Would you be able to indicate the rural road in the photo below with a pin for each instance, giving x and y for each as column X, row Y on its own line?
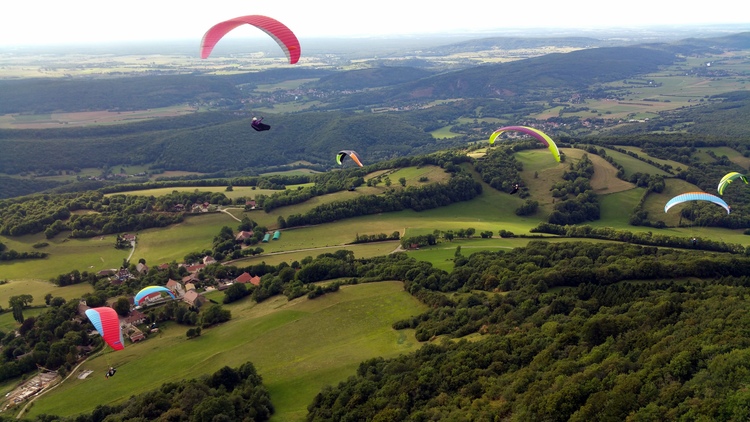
column 224, row 210
column 132, row 251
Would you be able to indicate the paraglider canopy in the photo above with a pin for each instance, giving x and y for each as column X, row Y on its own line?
column 352, row 154
column 149, row 290
column 729, row 178
column 536, row 133
column 108, row 325
column 277, row 30
column 696, row 196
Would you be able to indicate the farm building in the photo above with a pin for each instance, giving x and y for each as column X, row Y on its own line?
column 276, row 235
column 266, row 237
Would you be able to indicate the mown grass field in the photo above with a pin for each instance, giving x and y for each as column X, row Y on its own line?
column 38, row 289
column 632, row 165
column 298, row 347
column 237, row 191
column 86, row 118
column 732, row 154
column 675, row 164
column 65, row 255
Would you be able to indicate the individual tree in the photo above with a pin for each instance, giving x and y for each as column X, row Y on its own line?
column 122, row 306
column 402, row 181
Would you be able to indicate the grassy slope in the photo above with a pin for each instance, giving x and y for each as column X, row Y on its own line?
column 298, row 347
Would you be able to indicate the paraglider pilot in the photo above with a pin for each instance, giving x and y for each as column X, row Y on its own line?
column 695, row 242
column 110, row 373
column 515, row 188
column 258, row 125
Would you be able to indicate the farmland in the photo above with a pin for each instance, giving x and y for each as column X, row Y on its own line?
column 297, row 346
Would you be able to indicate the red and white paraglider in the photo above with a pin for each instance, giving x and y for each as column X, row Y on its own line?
column 277, row 30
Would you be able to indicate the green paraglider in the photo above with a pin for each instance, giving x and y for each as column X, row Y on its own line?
column 729, row 178
column 536, row 133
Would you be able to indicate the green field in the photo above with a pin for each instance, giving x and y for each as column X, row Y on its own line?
column 38, row 289
column 65, row 255
column 633, row 165
column 298, row 347
column 248, row 192
column 732, row 154
column 675, row 165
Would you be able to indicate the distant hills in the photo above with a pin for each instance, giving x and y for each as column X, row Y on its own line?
column 597, row 61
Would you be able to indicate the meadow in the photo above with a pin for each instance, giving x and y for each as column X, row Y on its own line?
column 297, row 347
column 302, row 345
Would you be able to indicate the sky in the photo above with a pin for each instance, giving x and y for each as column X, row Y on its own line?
column 56, row 22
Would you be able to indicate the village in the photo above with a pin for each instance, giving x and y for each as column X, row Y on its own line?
column 190, row 289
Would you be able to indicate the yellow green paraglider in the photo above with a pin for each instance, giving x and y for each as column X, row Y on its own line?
column 729, row 178
column 536, row 133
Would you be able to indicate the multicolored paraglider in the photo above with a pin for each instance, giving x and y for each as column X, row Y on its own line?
column 536, row 133
column 729, row 178
column 695, row 196
column 353, row 155
column 277, row 30
column 149, row 290
column 108, row 325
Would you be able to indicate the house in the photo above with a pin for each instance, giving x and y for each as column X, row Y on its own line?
column 195, row 268
column 192, row 298
column 250, row 204
column 177, row 289
column 137, row 335
column 208, row 260
column 123, row 274
column 241, row 236
column 164, row 266
column 128, row 237
column 141, row 268
column 106, row 273
column 247, row 278
column 135, row 317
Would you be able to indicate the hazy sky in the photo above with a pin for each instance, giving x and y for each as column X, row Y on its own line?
column 55, row 22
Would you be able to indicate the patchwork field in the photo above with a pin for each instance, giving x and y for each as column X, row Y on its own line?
column 675, row 164
column 87, row 118
column 297, row 347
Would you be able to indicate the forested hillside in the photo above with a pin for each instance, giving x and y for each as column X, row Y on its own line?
column 599, row 350
column 570, row 71
column 40, row 95
column 220, row 141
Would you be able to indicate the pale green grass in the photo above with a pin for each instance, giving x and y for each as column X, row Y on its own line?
column 617, row 208
column 8, row 324
column 172, row 243
column 441, row 255
column 732, row 154
column 655, row 202
column 297, row 347
column 364, row 250
column 444, row 132
column 65, row 255
column 675, row 164
column 38, row 289
column 434, row 174
column 632, row 165
column 236, row 192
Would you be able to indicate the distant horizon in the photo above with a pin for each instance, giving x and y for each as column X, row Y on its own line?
column 635, row 32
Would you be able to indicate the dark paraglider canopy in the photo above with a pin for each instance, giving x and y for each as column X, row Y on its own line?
column 258, row 124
